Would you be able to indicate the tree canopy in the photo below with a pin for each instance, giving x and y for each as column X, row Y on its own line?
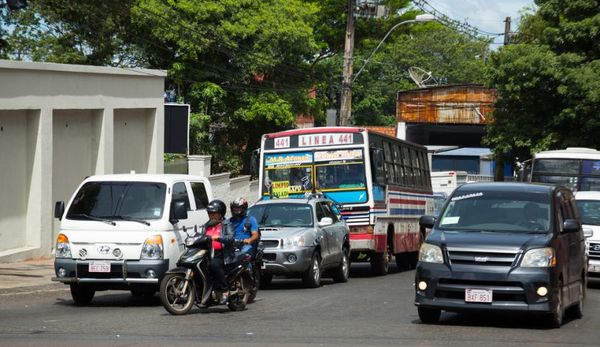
column 548, row 81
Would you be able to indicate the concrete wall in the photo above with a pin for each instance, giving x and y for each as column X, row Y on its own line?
column 60, row 123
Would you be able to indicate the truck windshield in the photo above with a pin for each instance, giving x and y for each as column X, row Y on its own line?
column 497, row 212
column 282, row 215
column 589, row 211
column 118, row 200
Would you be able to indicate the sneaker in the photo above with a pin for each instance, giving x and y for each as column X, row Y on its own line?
column 224, row 298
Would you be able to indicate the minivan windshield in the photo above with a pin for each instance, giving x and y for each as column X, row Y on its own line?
column 589, row 211
column 118, row 201
column 513, row 212
column 282, row 215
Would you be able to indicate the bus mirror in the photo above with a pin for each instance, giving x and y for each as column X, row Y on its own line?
column 254, row 162
column 377, row 157
column 377, row 165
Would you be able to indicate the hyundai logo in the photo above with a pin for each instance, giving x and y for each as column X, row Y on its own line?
column 104, row 249
column 481, row 259
column 596, row 248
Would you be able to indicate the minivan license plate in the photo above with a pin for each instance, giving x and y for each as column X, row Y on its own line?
column 478, row 295
column 99, row 266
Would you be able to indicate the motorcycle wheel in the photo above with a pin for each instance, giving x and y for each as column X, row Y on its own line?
column 238, row 301
column 174, row 299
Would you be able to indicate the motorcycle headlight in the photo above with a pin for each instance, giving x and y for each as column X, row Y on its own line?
column 295, row 241
column 539, row 257
column 430, row 254
column 152, row 248
column 63, row 248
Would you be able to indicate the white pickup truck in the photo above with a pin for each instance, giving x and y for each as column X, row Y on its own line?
column 125, row 231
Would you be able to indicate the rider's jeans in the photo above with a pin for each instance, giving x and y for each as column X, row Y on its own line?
column 217, row 268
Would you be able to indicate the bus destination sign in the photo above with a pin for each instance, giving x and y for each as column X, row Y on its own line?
column 325, row 139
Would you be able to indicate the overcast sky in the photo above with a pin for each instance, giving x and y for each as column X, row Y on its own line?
column 487, row 15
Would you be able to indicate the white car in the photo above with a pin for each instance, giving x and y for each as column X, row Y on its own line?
column 588, row 203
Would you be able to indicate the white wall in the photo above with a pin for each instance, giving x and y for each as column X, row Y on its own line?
column 60, row 123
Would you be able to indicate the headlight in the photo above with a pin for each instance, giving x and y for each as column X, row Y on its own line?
column 430, row 254
column 539, row 257
column 152, row 248
column 296, row 241
column 63, row 249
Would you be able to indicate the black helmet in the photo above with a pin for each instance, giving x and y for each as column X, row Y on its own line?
column 217, row 206
column 239, row 207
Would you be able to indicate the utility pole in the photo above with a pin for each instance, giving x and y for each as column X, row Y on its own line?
column 346, row 99
column 507, row 31
column 498, row 156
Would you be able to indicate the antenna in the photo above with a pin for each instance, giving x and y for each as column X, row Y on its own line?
column 420, row 76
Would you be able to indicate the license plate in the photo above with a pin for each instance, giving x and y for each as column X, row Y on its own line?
column 99, row 266
column 478, row 295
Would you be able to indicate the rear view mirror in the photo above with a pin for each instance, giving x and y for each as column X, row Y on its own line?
column 59, row 209
column 254, row 162
column 178, row 211
column 571, row 225
column 325, row 221
column 427, row 221
column 587, row 232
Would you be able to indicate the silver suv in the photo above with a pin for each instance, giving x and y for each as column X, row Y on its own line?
column 305, row 237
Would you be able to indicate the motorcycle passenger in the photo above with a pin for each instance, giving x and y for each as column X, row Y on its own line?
column 245, row 227
column 221, row 233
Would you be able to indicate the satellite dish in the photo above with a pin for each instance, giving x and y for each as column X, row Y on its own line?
column 420, row 77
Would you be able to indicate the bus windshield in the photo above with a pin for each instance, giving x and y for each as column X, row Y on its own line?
column 340, row 176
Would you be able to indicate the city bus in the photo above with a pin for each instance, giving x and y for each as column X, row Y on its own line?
column 575, row 167
column 381, row 185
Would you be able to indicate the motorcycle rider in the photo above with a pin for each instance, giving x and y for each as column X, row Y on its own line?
column 245, row 227
column 223, row 245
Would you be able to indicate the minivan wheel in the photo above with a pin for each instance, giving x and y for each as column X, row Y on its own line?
column 342, row 273
column 429, row 315
column 82, row 294
column 556, row 317
column 578, row 308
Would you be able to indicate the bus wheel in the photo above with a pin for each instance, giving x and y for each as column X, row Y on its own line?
column 380, row 263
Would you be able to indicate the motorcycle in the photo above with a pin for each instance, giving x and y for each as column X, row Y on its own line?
column 190, row 283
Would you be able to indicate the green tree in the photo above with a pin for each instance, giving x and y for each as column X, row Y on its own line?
column 548, row 81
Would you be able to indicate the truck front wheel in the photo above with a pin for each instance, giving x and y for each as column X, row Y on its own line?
column 82, row 294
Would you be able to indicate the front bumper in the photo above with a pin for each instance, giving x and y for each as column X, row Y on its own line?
column 276, row 260
column 513, row 289
column 122, row 271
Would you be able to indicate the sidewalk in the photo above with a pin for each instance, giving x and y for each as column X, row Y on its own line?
column 29, row 273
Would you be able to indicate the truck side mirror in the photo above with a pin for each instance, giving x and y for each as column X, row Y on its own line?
column 59, row 209
column 254, row 162
column 178, row 211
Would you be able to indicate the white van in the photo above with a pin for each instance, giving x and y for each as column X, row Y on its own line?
column 125, row 231
column 588, row 203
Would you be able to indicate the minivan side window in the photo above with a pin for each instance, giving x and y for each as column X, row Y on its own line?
column 200, row 195
column 180, row 194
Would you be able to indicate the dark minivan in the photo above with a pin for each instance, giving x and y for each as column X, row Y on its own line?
column 503, row 247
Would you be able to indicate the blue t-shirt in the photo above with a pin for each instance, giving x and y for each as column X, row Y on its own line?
column 239, row 227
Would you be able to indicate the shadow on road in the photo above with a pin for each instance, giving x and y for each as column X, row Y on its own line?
column 115, row 299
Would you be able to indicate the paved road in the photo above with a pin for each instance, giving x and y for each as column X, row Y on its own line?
column 366, row 311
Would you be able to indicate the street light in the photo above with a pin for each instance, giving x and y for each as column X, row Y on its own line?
column 418, row 19
column 346, row 102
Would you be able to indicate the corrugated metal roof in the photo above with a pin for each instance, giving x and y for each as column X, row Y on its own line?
column 389, row 131
column 466, row 152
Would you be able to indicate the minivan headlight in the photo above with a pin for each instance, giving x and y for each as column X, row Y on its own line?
column 539, row 257
column 63, row 248
column 430, row 254
column 152, row 248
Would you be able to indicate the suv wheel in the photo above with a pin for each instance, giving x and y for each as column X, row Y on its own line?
column 343, row 271
column 578, row 308
column 312, row 276
column 429, row 315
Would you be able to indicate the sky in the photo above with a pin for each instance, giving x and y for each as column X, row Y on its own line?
column 487, row 15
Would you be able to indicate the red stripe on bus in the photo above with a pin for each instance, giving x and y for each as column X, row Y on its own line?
column 361, row 236
column 407, row 201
